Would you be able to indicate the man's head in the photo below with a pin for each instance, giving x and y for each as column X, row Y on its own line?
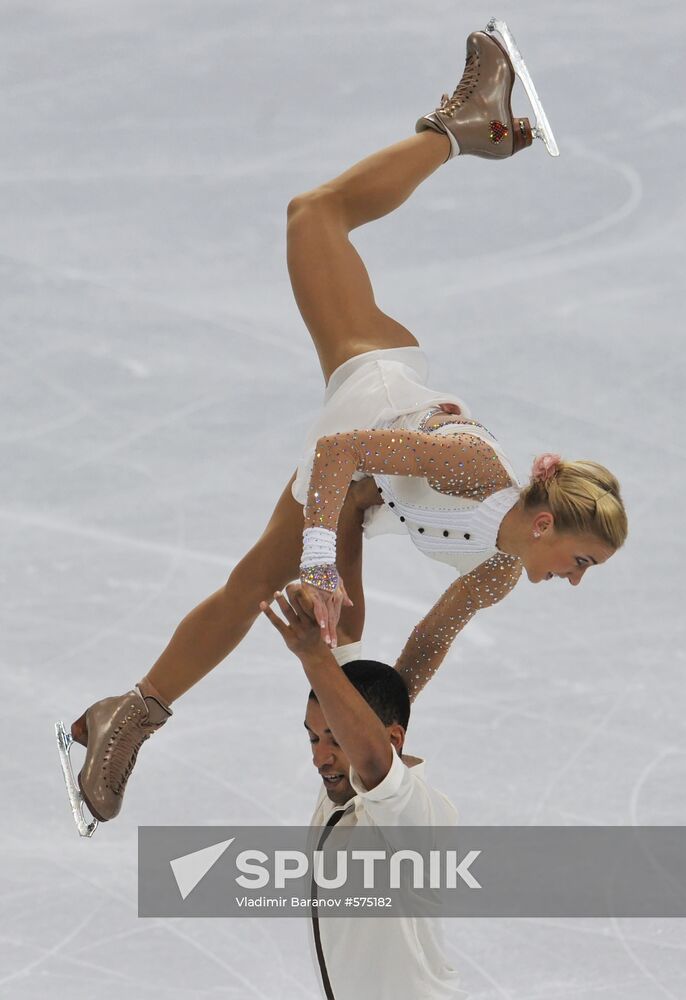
column 385, row 692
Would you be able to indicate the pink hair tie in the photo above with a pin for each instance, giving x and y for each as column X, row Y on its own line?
column 545, row 467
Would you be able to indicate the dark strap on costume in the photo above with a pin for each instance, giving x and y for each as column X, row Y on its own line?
column 330, row 824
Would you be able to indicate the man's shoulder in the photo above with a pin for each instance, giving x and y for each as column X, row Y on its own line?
column 405, row 797
column 443, row 812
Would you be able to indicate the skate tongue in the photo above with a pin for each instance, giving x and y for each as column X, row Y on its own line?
column 158, row 713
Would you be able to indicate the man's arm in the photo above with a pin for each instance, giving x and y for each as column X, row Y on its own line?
column 431, row 639
column 356, row 727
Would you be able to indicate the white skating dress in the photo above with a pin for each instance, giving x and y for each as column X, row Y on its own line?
column 386, row 390
column 448, row 487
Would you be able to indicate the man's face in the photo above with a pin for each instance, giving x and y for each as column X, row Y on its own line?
column 327, row 755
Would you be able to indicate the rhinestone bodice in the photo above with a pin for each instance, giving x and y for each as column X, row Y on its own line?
column 448, row 487
column 462, row 533
column 457, row 530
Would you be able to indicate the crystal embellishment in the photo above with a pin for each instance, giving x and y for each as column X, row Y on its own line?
column 497, row 131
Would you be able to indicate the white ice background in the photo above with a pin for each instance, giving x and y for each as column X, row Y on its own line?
column 156, row 384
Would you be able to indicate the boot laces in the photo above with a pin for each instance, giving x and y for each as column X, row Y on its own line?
column 462, row 92
column 122, row 752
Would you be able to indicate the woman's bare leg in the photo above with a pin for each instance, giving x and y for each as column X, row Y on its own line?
column 334, row 294
column 216, row 626
column 330, row 282
column 211, row 630
column 335, row 297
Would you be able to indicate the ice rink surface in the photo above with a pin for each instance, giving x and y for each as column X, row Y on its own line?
column 156, row 384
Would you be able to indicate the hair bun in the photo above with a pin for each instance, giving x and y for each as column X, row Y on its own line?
column 545, row 467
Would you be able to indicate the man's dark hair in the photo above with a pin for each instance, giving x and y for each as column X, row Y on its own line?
column 382, row 688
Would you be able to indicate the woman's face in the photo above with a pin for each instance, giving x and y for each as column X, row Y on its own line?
column 561, row 555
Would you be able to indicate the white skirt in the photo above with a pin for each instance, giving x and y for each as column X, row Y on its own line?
column 368, row 392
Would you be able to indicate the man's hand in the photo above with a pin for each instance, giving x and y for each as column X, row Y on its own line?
column 301, row 633
column 357, row 727
column 326, row 608
column 297, row 596
column 365, row 493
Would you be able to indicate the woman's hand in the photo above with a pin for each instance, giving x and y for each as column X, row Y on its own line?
column 325, row 607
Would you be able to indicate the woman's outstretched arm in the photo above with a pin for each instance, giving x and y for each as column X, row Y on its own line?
column 460, row 464
column 431, row 639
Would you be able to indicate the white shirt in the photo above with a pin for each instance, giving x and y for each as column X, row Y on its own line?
column 387, row 958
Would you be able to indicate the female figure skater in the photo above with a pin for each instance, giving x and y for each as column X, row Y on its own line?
column 425, row 466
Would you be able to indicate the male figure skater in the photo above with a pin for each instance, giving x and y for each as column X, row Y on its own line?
column 356, row 720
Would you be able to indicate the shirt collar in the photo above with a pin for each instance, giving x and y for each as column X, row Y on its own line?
column 416, row 764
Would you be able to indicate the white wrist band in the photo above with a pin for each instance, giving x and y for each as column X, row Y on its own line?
column 319, row 547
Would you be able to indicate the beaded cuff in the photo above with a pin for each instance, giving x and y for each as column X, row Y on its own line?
column 325, row 577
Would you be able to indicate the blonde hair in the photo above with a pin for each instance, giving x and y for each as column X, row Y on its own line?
column 584, row 498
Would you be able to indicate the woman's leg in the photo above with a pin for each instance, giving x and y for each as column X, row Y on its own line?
column 334, row 294
column 329, row 279
column 216, row 626
column 211, row 630
column 114, row 729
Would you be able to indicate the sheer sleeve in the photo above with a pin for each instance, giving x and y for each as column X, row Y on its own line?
column 431, row 639
column 460, row 464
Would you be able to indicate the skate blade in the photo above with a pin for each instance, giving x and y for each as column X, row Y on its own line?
column 542, row 129
column 64, row 743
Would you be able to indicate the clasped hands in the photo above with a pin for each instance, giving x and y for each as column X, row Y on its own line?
column 323, row 605
column 302, row 631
